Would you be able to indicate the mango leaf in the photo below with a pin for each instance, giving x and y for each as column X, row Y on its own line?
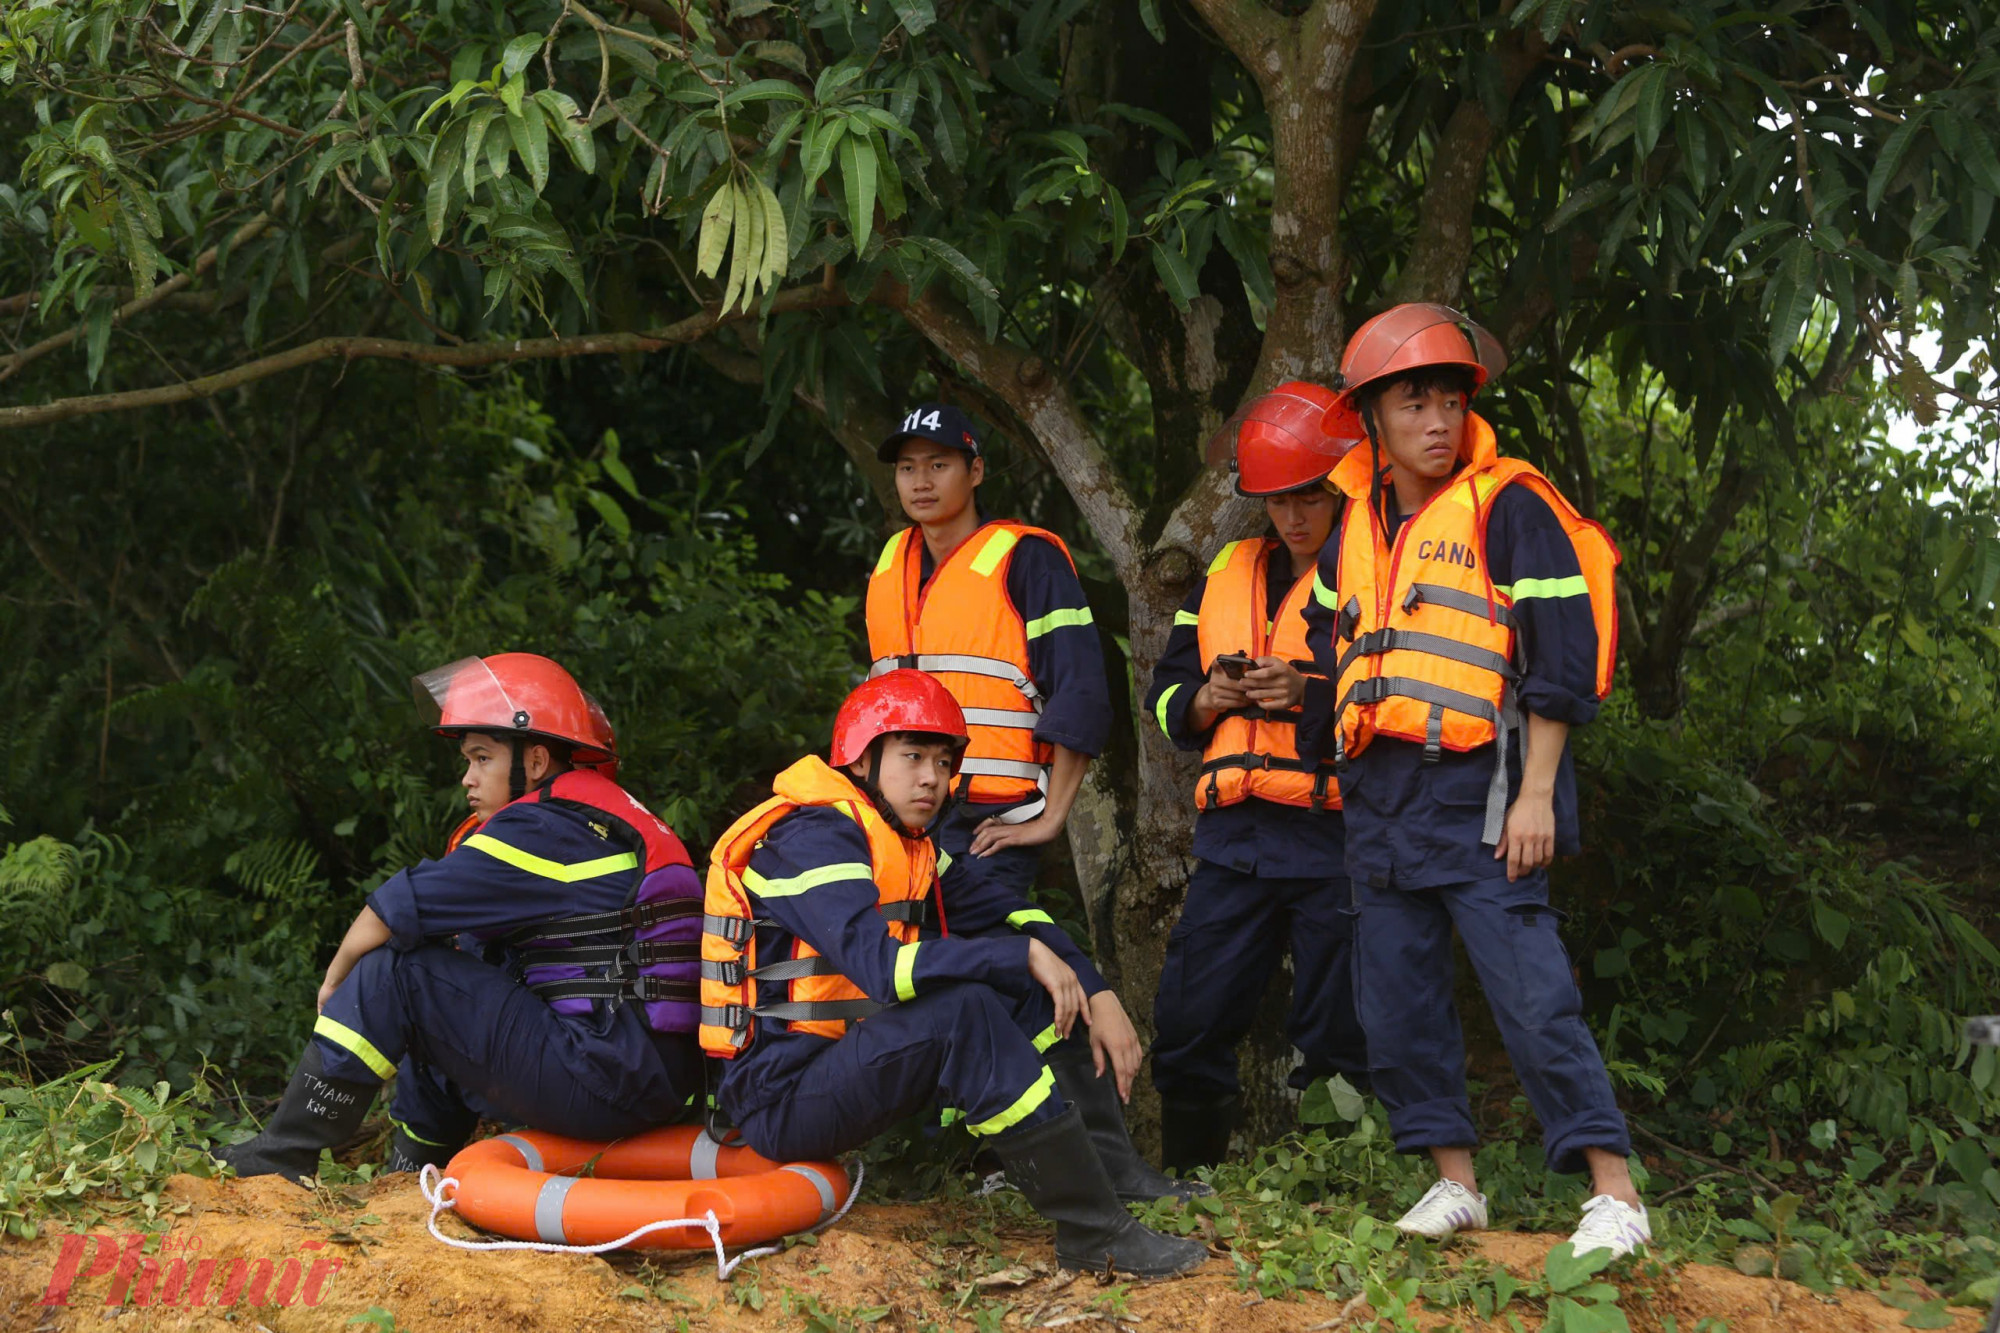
column 1175, row 274
column 1893, row 153
column 715, row 223
column 518, row 53
column 608, row 509
column 1149, row 14
column 1792, row 298
column 917, row 15
column 857, row 178
column 531, row 140
column 475, row 140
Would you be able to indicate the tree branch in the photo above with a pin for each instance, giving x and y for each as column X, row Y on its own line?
column 1253, row 34
column 11, row 366
column 1043, row 401
column 1442, row 248
column 679, row 333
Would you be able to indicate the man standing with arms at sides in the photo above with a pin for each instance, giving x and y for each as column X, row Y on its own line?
column 1271, row 861
column 1461, row 597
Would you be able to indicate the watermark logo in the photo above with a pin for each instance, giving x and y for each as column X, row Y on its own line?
column 178, row 1277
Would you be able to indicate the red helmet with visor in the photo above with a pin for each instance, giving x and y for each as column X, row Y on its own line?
column 1279, row 441
column 518, row 695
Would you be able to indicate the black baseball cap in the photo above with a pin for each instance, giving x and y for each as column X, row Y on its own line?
column 937, row 422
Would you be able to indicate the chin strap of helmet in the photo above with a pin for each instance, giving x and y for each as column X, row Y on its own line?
column 1377, row 508
column 517, row 770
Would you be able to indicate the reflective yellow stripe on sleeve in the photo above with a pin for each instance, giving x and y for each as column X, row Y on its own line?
column 1324, row 595
column 1055, row 620
column 943, row 862
column 1160, row 709
column 906, row 971
column 1029, row 916
column 1573, row 586
column 811, row 879
column 1023, row 1107
column 1186, row 618
column 547, row 869
column 348, row 1039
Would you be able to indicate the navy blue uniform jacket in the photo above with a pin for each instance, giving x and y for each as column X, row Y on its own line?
column 1415, row 825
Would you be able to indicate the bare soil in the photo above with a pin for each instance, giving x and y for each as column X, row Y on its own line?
column 915, row 1260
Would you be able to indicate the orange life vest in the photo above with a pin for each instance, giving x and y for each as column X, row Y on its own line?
column 963, row 628
column 1253, row 752
column 1425, row 637
column 818, row 999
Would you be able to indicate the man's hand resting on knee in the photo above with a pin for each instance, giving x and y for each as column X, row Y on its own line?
column 1114, row 1041
column 1059, row 980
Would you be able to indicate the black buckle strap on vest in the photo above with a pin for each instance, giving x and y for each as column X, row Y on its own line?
column 817, row 1011
column 635, row 955
column 638, row 917
column 1378, row 641
column 1457, row 600
column 1434, row 735
column 735, row 929
column 619, row 989
column 919, row 912
column 732, row 972
column 1321, row 779
column 1350, row 616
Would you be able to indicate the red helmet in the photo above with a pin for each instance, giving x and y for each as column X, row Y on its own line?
column 517, row 694
column 1403, row 338
column 1278, row 441
column 900, row 700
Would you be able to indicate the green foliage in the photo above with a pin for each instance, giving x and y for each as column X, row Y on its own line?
column 78, row 1150
column 186, row 910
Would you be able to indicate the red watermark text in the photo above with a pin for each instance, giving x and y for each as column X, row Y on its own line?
column 178, row 1277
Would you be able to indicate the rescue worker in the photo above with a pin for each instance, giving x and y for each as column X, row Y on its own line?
column 993, row 609
column 854, row 974
column 578, row 1015
column 1270, row 870
column 1464, row 616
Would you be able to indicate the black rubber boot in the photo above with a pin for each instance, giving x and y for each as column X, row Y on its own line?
column 1055, row 1166
column 1196, row 1134
column 316, row 1112
column 1096, row 1098
column 408, row 1153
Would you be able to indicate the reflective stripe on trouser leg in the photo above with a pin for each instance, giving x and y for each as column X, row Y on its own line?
column 1026, row 1104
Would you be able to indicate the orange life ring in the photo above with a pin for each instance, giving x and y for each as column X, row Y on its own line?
column 523, row 1185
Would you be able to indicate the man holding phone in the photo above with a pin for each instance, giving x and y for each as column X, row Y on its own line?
column 1271, row 856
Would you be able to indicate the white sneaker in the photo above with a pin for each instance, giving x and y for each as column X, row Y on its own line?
column 1446, row 1207
column 1610, row 1224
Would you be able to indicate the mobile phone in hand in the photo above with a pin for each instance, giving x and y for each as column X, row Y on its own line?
column 1235, row 664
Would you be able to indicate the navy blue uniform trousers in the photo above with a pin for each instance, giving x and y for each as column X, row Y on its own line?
column 1234, row 928
column 964, row 1046
column 466, row 1039
column 1403, row 989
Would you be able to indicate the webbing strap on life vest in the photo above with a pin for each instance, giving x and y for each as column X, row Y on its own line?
column 999, row 717
column 1506, row 718
column 625, row 988
column 638, row 953
column 1457, row 600
column 635, row 918
column 965, row 664
column 736, row 1017
column 917, row 911
column 1010, row 768
column 731, row 972
column 1379, row 641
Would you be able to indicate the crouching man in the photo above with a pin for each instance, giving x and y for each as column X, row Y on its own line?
column 853, row 974
column 577, row 1015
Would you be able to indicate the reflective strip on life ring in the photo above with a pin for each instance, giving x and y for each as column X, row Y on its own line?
column 534, row 1186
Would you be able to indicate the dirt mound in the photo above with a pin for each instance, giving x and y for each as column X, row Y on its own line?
column 896, row 1267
